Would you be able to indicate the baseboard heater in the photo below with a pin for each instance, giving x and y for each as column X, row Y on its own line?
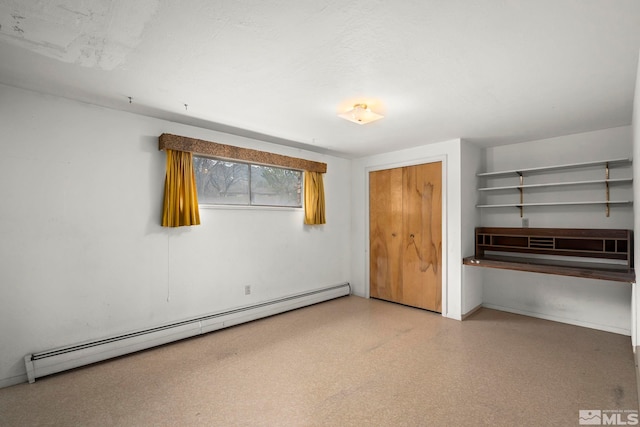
column 73, row 356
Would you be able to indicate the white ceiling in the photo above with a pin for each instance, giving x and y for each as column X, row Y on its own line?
column 490, row 71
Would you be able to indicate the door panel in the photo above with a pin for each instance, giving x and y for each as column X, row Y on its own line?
column 405, row 235
column 385, row 234
column 422, row 236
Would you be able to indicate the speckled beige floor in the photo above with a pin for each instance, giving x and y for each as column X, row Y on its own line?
column 347, row 362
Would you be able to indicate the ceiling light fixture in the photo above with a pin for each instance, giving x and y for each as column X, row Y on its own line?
column 360, row 114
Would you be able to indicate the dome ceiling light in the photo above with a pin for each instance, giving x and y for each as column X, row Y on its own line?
column 360, row 114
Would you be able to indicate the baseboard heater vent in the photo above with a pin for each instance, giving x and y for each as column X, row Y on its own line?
column 61, row 359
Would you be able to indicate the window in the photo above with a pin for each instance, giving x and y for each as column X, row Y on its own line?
column 222, row 182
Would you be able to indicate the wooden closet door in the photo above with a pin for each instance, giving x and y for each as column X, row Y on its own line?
column 422, row 236
column 385, row 234
column 405, row 235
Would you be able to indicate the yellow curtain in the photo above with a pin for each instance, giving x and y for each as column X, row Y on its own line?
column 313, row 198
column 180, row 193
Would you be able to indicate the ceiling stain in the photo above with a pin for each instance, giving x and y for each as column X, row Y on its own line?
column 93, row 34
column 16, row 28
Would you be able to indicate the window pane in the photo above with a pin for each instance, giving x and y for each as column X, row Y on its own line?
column 272, row 186
column 221, row 182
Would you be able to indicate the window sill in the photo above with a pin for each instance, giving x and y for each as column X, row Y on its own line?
column 251, row 207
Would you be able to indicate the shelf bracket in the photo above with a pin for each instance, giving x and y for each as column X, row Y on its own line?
column 521, row 193
column 606, row 183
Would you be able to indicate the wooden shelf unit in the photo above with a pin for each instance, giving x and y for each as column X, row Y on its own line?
column 605, row 254
column 521, row 186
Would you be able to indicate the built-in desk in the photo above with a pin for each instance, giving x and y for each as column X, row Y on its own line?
column 605, row 254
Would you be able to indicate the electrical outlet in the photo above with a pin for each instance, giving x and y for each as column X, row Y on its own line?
column 525, row 222
column 247, row 290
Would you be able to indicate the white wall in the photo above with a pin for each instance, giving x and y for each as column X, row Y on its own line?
column 593, row 303
column 471, row 164
column 636, row 192
column 82, row 254
column 449, row 153
column 582, row 147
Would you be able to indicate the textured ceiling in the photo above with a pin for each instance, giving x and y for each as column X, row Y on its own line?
column 490, row 71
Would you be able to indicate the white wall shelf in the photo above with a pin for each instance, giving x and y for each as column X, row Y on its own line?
column 606, row 182
column 543, row 169
column 560, row 184
column 586, row 202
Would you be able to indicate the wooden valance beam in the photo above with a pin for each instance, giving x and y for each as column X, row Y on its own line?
column 214, row 149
